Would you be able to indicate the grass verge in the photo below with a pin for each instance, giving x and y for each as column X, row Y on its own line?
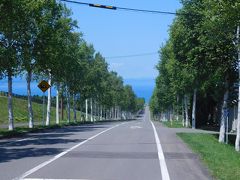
column 221, row 159
column 173, row 124
column 20, row 111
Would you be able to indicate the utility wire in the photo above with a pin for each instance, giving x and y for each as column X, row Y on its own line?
column 76, row 2
column 132, row 55
column 147, row 11
column 123, row 8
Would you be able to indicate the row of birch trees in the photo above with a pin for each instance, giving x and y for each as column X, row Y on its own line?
column 199, row 65
column 39, row 40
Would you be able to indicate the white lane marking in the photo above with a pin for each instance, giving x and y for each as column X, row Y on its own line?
column 162, row 162
column 61, row 154
column 51, row 179
column 135, row 127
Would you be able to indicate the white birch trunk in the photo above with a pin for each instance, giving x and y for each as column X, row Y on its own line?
column 109, row 116
column 114, row 112
column 237, row 142
column 74, row 109
column 183, row 122
column 221, row 138
column 62, row 108
column 177, row 118
column 194, row 109
column 68, row 106
column 94, row 111
column 86, row 113
column 57, row 105
column 30, row 111
column 101, row 113
column 91, row 106
column 98, row 112
column 49, row 101
column 119, row 113
column 186, row 110
column 10, row 107
column 123, row 115
column 110, row 113
column 170, row 115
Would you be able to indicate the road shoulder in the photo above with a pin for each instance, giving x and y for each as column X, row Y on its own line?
column 181, row 161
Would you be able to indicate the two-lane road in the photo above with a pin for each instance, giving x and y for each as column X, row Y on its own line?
column 110, row 151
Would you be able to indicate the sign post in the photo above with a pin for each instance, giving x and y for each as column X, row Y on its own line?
column 43, row 109
column 44, row 86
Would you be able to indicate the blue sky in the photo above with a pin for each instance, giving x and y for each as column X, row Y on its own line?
column 120, row 33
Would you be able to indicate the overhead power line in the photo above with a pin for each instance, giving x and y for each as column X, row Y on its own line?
column 122, row 8
column 132, row 55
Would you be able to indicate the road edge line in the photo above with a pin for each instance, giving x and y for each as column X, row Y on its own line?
column 162, row 162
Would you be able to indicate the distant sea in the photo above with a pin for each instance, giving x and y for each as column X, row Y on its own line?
column 142, row 87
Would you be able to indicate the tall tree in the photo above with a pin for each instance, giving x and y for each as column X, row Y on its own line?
column 10, row 16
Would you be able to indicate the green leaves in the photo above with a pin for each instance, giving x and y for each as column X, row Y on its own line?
column 39, row 37
column 200, row 51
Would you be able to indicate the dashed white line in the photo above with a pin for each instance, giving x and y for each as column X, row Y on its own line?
column 22, row 177
column 162, row 162
column 135, row 127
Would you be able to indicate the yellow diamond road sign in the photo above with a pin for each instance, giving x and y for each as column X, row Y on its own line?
column 43, row 85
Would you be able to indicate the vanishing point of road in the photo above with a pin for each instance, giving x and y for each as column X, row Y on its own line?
column 129, row 150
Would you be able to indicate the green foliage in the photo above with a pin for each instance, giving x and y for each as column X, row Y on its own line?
column 154, row 102
column 140, row 102
column 200, row 54
column 129, row 99
column 39, row 38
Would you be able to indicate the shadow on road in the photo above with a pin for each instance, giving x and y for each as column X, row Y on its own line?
column 33, row 148
column 44, row 142
column 13, row 154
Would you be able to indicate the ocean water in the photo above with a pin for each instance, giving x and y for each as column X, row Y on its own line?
column 142, row 87
column 20, row 87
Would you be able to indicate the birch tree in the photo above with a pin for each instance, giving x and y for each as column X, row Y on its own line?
column 49, row 100
column 10, row 16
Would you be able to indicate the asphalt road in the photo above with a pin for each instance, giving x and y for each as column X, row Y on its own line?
column 133, row 150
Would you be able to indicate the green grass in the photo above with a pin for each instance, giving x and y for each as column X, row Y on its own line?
column 173, row 124
column 221, row 159
column 20, row 111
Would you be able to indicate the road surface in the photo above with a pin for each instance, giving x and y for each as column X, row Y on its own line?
column 133, row 150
